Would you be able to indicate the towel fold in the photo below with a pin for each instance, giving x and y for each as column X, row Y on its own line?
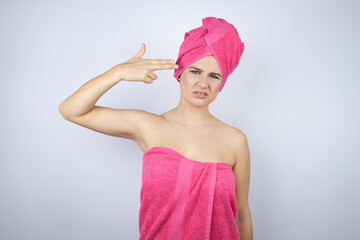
column 186, row 199
column 215, row 37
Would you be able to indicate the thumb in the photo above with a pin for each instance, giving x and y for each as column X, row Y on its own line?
column 141, row 52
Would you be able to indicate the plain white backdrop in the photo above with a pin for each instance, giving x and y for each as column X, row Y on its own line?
column 295, row 94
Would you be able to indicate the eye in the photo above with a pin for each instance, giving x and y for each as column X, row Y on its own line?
column 194, row 71
column 214, row 76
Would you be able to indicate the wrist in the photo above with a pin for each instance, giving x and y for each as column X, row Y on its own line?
column 116, row 73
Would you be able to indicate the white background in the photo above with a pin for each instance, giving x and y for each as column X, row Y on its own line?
column 295, row 94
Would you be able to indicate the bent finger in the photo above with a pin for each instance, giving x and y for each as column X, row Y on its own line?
column 152, row 75
column 148, row 80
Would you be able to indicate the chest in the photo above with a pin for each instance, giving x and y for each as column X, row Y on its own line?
column 204, row 145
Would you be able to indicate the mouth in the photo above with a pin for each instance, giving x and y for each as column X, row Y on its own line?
column 200, row 93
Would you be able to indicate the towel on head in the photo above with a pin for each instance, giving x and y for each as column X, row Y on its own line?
column 186, row 199
column 215, row 37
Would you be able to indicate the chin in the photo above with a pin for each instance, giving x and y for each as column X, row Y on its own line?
column 202, row 102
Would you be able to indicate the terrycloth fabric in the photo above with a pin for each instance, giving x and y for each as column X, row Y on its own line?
column 186, row 199
column 215, row 37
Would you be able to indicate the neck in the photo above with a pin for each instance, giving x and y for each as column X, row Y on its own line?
column 191, row 115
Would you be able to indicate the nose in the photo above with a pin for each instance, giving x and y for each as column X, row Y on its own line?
column 203, row 81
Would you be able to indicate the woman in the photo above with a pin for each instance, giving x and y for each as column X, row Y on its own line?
column 196, row 169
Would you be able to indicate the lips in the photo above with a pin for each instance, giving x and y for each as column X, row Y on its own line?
column 201, row 92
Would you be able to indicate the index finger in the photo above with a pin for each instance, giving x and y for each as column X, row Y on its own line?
column 160, row 61
column 165, row 66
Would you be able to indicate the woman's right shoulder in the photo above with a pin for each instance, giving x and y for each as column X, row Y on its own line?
column 148, row 125
column 148, row 115
column 147, row 119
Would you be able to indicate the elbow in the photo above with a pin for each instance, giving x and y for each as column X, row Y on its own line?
column 60, row 108
column 244, row 215
column 62, row 111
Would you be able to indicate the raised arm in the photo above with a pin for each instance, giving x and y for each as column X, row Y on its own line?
column 80, row 107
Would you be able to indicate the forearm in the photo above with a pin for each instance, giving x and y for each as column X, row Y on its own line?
column 85, row 98
column 245, row 228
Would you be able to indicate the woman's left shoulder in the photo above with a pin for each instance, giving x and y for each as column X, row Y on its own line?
column 234, row 137
column 238, row 137
column 231, row 131
column 237, row 141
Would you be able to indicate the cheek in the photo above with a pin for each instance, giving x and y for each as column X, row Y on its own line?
column 187, row 78
column 216, row 83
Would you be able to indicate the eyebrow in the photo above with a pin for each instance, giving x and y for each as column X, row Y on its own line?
column 202, row 71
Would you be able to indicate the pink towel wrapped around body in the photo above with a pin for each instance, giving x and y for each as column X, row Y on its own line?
column 186, row 199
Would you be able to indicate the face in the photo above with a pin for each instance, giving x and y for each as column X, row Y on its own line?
column 203, row 75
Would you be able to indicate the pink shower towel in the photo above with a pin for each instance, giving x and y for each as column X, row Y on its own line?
column 215, row 37
column 186, row 199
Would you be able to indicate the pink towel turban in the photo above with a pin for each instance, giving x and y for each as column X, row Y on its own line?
column 215, row 37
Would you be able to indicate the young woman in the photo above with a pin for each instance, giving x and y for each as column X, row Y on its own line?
column 196, row 169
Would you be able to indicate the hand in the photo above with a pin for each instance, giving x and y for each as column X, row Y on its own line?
column 139, row 69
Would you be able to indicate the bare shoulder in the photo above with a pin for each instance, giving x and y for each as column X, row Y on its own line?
column 235, row 138
column 239, row 135
column 241, row 149
column 146, row 123
column 239, row 139
column 232, row 133
column 147, row 115
column 147, row 119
